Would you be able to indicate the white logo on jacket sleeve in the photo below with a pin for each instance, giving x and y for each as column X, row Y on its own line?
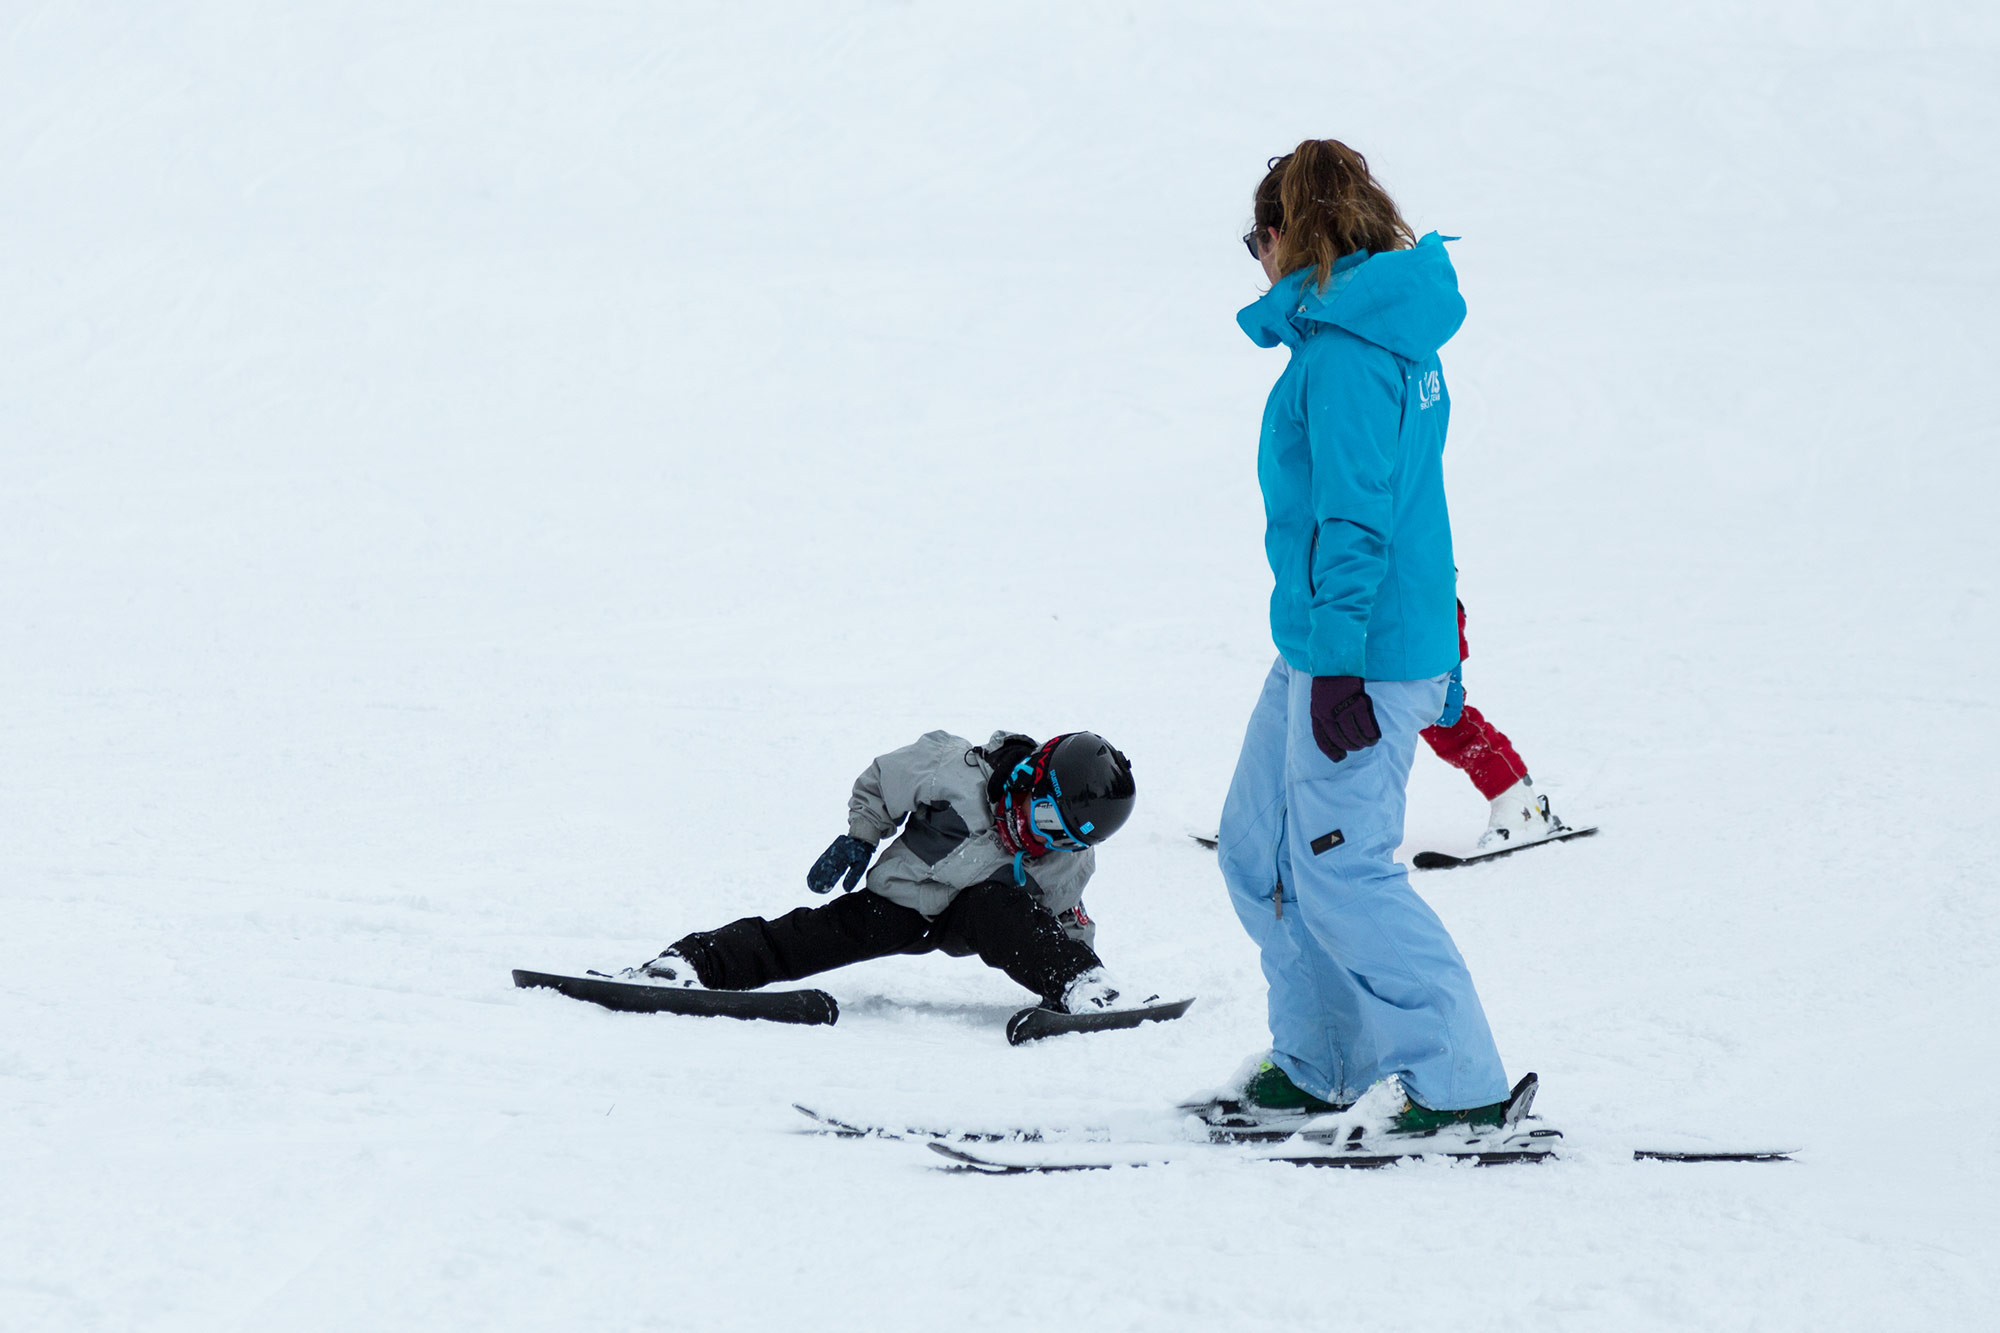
column 1430, row 388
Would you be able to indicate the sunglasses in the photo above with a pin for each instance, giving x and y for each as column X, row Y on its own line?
column 1250, row 239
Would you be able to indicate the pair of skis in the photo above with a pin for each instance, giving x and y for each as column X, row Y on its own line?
column 1030, row 1152
column 1506, row 1153
column 1346, row 1140
column 813, row 1006
column 1040, row 1152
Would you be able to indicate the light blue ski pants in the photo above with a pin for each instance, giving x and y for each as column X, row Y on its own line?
column 1365, row 981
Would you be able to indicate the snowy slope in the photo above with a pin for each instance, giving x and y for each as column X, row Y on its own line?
column 479, row 480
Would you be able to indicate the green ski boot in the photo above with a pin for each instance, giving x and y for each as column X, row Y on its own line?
column 1272, row 1090
column 1268, row 1107
column 1416, row 1118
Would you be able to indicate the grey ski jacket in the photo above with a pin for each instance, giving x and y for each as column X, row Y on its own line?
column 935, row 789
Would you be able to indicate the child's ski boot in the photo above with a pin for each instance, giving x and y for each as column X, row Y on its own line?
column 669, row 969
column 1519, row 816
column 1094, row 992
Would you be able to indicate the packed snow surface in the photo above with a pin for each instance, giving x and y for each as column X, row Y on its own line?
column 479, row 480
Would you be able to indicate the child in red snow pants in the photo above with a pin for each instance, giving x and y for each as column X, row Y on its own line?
column 1475, row 746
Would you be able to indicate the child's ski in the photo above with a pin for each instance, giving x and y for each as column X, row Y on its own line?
column 1035, row 1024
column 1446, row 861
column 638, row 997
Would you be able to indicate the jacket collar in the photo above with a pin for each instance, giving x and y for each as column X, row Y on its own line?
column 1406, row 301
column 1274, row 317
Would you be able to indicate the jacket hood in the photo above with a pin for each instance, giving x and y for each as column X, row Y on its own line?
column 1406, row 301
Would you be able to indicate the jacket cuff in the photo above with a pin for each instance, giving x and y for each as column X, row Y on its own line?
column 1341, row 655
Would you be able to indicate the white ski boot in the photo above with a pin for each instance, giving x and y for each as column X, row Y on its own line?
column 1094, row 992
column 1520, row 816
column 669, row 969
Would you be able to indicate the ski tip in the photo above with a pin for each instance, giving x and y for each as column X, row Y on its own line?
column 1720, row 1155
column 1208, row 842
column 1435, row 861
column 1018, row 1029
column 828, row 1124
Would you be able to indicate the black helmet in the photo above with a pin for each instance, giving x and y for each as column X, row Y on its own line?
column 1076, row 788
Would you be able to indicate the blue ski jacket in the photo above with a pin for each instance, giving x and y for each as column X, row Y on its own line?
column 1351, row 461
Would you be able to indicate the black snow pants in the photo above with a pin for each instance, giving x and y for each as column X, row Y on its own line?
column 1002, row 923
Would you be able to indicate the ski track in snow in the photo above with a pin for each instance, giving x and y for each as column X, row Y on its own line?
column 480, row 482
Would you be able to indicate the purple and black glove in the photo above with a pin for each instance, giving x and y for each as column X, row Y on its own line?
column 846, row 853
column 1343, row 716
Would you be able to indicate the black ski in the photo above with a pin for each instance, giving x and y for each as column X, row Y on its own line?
column 1035, row 1024
column 1355, row 1161
column 1355, row 1139
column 1471, row 1156
column 1446, row 861
column 637, row 997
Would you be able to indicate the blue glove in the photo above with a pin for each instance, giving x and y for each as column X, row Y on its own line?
column 1454, row 698
column 844, row 853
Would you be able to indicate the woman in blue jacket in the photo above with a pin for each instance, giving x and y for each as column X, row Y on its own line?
column 1365, row 981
